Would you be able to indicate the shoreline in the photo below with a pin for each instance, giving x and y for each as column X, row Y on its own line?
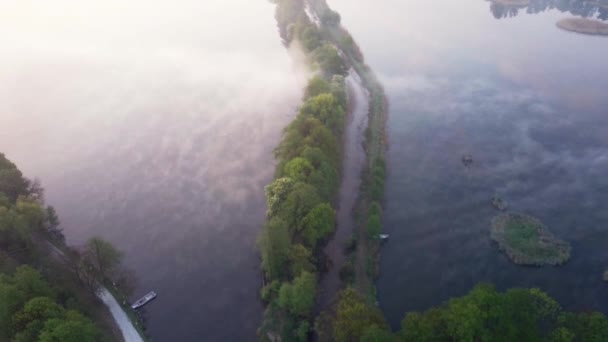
column 584, row 26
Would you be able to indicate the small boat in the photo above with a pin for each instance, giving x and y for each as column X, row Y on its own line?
column 383, row 237
column 143, row 300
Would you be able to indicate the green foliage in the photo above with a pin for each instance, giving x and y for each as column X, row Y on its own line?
column 12, row 182
column 327, row 109
column 30, row 311
column 102, row 256
column 338, row 89
column 276, row 193
column 300, row 259
column 374, row 226
column 298, row 169
column 378, row 174
column 354, row 317
column 329, row 61
column 310, row 37
column 287, row 14
column 324, row 176
column 30, row 283
column 302, row 331
column 319, row 223
column 275, row 246
column 306, row 131
column 298, row 297
column 270, row 291
column 331, row 18
column 378, row 334
column 32, row 212
column 516, row 315
column 4, row 201
column 316, row 86
column 37, row 308
column 300, row 201
column 73, row 328
column 307, row 179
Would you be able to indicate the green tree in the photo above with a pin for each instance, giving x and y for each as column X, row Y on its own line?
column 329, row 60
column 299, row 297
column 378, row 174
column 423, row 328
column 316, row 86
column 300, row 258
column 32, row 212
column 30, row 283
column 377, row 334
column 4, row 201
column 310, row 37
column 306, row 131
column 275, row 245
column 374, row 226
column 354, row 316
column 324, row 176
column 330, row 17
column 300, row 201
column 298, row 169
column 12, row 182
column 102, row 256
column 302, row 331
column 72, row 328
column 34, row 313
column 52, row 220
column 318, row 223
column 327, row 109
column 276, row 194
column 11, row 300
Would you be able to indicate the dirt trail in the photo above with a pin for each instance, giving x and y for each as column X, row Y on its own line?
column 353, row 162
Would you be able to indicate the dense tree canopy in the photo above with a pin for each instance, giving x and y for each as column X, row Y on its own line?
column 516, row 315
column 12, row 182
column 30, row 311
column 356, row 318
column 298, row 297
column 102, row 256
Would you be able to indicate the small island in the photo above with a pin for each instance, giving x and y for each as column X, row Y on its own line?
column 527, row 241
column 584, row 26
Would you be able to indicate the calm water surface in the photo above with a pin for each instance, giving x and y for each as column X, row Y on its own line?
column 152, row 124
column 529, row 102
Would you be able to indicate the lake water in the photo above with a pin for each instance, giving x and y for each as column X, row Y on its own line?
column 528, row 102
column 152, row 124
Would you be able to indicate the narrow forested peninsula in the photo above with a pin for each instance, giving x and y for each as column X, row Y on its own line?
column 302, row 200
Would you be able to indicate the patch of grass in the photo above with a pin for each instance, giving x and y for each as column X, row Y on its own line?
column 527, row 241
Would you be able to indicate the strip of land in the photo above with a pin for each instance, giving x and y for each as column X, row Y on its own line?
column 584, row 26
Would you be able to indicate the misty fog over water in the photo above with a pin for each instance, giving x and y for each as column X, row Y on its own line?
column 152, row 124
column 527, row 101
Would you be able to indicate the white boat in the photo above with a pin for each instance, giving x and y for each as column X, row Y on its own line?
column 143, row 300
column 383, row 237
